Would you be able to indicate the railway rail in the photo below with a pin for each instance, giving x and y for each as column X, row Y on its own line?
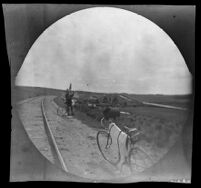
column 57, row 153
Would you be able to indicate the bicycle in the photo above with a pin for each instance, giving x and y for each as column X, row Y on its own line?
column 132, row 155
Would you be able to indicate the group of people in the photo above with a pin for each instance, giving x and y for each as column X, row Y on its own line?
column 110, row 114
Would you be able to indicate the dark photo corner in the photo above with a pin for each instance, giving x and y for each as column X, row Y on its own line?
column 24, row 23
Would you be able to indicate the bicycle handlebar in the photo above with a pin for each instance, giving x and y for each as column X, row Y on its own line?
column 130, row 129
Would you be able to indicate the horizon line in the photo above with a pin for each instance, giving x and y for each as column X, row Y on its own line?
column 105, row 92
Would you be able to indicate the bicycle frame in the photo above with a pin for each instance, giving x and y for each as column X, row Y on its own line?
column 118, row 146
column 125, row 155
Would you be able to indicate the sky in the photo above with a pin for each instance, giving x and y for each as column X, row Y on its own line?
column 106, row 49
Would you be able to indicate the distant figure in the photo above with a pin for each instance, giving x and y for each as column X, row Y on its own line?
column 69, row 106
column 110, row 114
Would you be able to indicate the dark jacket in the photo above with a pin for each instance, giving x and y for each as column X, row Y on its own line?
column 111, row 113
column 69, row 96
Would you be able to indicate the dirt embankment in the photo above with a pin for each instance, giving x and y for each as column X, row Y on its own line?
column 160, row 129
column 157, row 125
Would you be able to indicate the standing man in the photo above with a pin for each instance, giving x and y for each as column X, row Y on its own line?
column 69, row 95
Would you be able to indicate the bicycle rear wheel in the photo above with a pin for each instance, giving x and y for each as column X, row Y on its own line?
column 104, row 140
column 139, row 160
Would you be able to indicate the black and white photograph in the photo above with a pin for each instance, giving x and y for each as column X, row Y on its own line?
column 101, row 93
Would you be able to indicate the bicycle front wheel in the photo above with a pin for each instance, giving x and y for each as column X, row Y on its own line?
column 104, row 141
column 139, row 160
column 61, row 112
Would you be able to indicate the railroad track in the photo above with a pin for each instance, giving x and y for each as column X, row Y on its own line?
column 55, row 150
column 34, row 115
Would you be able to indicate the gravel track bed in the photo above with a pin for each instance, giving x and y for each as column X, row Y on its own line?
column 31, row 116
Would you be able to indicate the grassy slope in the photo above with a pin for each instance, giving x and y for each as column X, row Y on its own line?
column 140, row 111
